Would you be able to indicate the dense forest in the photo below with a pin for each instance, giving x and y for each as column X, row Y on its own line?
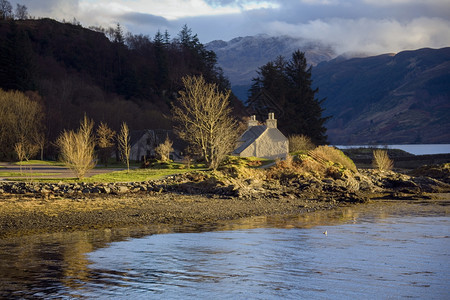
column 108, row 75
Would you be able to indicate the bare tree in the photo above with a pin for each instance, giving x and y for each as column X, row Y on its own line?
column 21, row 120
column 5, row 10
column 77, row 148
column 25, row 150
column 164, row 149
column 123, row 140
column 105, row 141
column 204, row 120
column 21, row 12
column 40, row 140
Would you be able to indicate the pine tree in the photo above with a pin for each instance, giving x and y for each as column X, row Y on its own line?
column 290, row 84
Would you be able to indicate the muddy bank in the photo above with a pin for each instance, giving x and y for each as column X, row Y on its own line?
column 30, row 214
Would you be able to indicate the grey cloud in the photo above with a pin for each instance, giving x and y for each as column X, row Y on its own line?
column 58, row 9
column 144, row 19
column 350, row 25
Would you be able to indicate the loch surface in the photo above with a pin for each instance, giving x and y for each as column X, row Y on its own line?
column 379, row 250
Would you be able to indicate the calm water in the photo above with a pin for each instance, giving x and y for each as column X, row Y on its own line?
column 416, row 149
column 388, row 250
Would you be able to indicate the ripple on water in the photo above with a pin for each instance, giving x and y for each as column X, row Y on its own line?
column 382, row 251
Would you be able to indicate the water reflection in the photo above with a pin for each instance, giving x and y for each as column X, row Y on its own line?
column 260, row 257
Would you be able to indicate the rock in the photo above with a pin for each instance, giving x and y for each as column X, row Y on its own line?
column 105, row 189
column 121, row 189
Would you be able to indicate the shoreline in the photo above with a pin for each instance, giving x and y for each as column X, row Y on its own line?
column 28, row 214
column 202, row 198
column 22, row 215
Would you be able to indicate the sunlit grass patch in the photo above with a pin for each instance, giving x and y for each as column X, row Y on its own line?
column 39, row 162
column 134, row 175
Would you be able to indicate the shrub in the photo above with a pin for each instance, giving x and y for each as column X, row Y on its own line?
column 164, row 149
column 77, row 148
column 105, row 142
column 299, row 142
column 381, row 160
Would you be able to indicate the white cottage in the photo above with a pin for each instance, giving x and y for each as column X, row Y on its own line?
column 264, row 141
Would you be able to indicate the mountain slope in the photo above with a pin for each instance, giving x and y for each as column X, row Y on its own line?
column 402, row 98
column 241, row 57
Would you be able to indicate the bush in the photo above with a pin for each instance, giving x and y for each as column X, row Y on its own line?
column 381, row 160
column 299, row 142
column 164, row 149
column 77, row 148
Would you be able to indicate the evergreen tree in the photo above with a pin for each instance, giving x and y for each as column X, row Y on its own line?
column 289, row 84
column 16, row 60
column 162, row 77
column 118, row 35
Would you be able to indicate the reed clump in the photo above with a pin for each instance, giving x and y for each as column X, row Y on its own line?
column 381, row 160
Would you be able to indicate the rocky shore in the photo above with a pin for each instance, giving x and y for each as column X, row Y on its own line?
column 199, row 197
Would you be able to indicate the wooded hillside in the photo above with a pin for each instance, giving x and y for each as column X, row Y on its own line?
column 114, row 79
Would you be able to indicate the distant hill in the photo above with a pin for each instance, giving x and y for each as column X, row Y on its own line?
column 242, row 56
column 390, row 98
column 401, row 98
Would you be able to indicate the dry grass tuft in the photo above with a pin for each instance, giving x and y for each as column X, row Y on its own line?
column 299, row 142
column 381, row 160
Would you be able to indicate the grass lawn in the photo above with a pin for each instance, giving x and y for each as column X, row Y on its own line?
column 116, row 176
column 134, row 175
column 39, row 162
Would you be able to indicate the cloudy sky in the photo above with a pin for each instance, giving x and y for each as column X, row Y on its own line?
column 374, row 26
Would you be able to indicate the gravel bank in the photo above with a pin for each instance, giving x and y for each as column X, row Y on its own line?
column 25, row 214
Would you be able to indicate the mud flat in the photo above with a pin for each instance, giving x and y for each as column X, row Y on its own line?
column 26, row 214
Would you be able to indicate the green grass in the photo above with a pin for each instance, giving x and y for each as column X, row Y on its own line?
column 117, row 176
column 248, row 162
column 39, row 162
column 134, row 175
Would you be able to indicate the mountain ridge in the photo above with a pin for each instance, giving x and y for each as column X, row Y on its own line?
column 401, row 98
column 380, row 99
column 242, row 56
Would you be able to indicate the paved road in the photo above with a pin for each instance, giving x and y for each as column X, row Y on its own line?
column 50, row 171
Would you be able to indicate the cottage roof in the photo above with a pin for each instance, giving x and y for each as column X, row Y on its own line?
column 249, row 136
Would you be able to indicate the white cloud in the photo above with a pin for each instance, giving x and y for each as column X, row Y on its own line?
column 371, row 35
column 168, row 9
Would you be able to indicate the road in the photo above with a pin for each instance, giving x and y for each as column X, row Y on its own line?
column 49, row 171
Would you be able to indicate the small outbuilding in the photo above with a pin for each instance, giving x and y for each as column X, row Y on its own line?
column 144, row 142
column 264, row 141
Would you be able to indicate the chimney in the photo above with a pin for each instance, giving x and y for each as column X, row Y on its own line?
column 252, row 122
column 271, row 122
